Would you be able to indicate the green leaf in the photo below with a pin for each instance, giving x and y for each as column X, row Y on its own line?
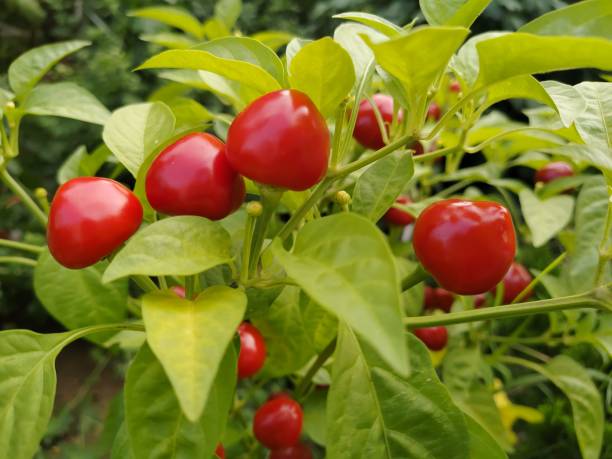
column 168, row 40
column 180, row 246
column 244, row 72
column 320, row 326
column 315, row 423
column 343, row 262
column 587, row 406
column 78, row 298
column 372, row 412
column 378, row 187
column 134, row 131
column 25, row 71
column 121, row 445
column 5, row 96
column 591, row 211
column 429, row 48
column 595, row 122
column 371, row 20
column 228, row 11
column 482, row 445
column 157, row 427
column 190, row 338
column 172, row 16
column 350, row 36
column 67, row 100
column 525, row 54
column 27, row 392
column 452, row 12
column 545, row 217
column 324, row 71
column 466, row 63
column 71, row 167
column 273, row 39
column 287, row 343
column 587, row 18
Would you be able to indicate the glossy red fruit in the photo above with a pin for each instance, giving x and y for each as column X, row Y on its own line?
column 418, row 148
column 479, row 300
column 454, row 86
column 367, row 132
column 399, row 217
column 90, row 217
column 434, row 112
column 252, row 350
column 299, row 451
column 515, row 281
column 193, row 177
column 278, row 423
column 554, row 171
column 280, row 139
column 435, row 338
column 220, row 451
column 438, row 298
column 467, row 246
column 179, row 290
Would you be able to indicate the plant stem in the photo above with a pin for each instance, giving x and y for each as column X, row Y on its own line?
column 18, row 261
column 603, row 257
column 246, row 248
column 477, row 148
column 270, row 198
column 338, row 127
column 552, row 265
column 189, row 287
column 584, row 300
column 163, row 283
column 145, row 283
column 325, row 354
column 21, row 246
column 437, row 153
column 416, row 277
column 25, row 198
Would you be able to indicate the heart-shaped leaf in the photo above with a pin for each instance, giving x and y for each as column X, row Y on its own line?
column 545, row 218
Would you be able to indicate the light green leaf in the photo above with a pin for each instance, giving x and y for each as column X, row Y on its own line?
column 482, row 445
column 315, row 424
column 429, row 48
column 77, row 298
column 157, row 427
column 319, row 325
column 190, row 338
column 287, row 343
column 350, row 36
column 179, row 246
column 372, row 412
column 27, row 392
column 545, row 217
column 466, row 63
column 595, row 122
column 228, row 11
column 586, row 18
column 5, row 96
column 593, row 155
column 452, row 12
column 324, row 71
column 134, row 131
column 525, row 54
column 344, row 263
column 67, row 100
column 273, row 39
column 587, row 406
column 71, row 167
column 381, row 183
column 371, row 20
column 169, row 40
column 121, row 445
column 591, row 211
column 172, row 16
column 243, row 72
column 25, row 71
column 569, row 102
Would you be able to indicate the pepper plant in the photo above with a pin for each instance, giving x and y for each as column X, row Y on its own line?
column 348, row 261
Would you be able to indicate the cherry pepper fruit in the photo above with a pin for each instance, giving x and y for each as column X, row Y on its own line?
column 252, row 350
column 435, row 338
column 193, row 177
column 515, row 281
column 299, row 451
column 467, row 246
column 398, row 217
column 281, row 140
column 90, row 217
column 553, row 171
column 278, row 423
column 367, row 131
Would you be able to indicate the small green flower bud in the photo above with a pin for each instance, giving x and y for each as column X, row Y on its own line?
column 342, row 198
column 254, row 208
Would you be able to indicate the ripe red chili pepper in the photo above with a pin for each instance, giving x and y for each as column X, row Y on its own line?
column 399, row 217
column 278, row 423
column 193, row 177
column 438, row 298
column 299, row 451
column 479, row 300
column 434, row 112
column 435, row 338
column 367, row 131
column 515, row 281
column 554, row 171
column 252, row 350
column 220, row 451
column 467, row 246
column 280, row 139
column 91, row 217
column 454, row 86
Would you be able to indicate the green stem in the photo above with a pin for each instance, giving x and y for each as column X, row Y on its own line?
column 552, row 265
column 379, row 120
column 21, row 246
column 451, row 112
column 437, row 153
column 416, row 277
column 189, row 287
column 145, row 283
column 270, row 198
column 338, row 129
column 479, row 147
column 603, row 256
column 325, row 354
column 246, row 248
column 522, row 362
column 453, row 188
column 25, row 198
column 585, row 300
column 18, row 261
column 163, row 283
